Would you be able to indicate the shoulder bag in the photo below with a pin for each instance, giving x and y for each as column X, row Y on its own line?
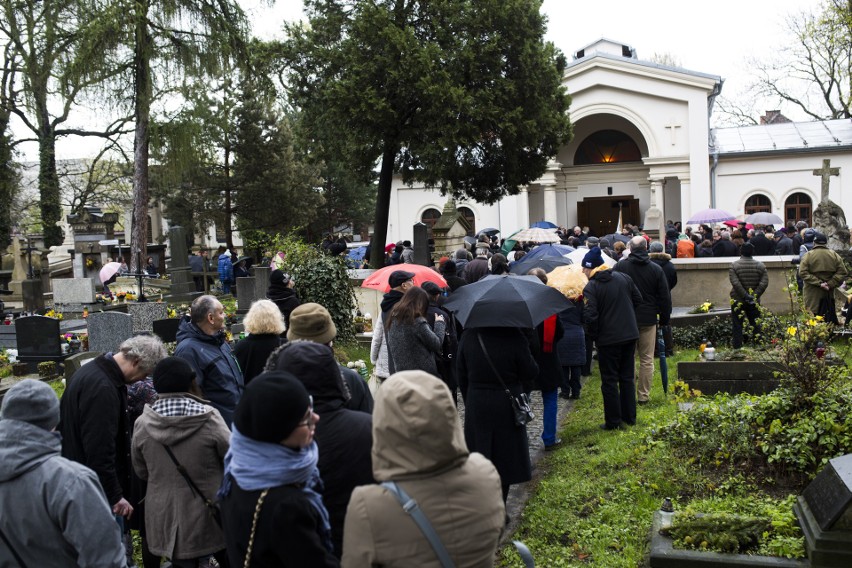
column 212, row 508
column 520, row 403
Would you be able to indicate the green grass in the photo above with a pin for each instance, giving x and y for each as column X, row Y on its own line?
column 595, row 497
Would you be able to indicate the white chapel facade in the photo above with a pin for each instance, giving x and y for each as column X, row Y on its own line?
column 642, row 146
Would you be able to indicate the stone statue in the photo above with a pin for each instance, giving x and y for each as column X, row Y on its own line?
column 828, row 217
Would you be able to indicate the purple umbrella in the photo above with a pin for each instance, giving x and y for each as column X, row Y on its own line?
column 710, row 216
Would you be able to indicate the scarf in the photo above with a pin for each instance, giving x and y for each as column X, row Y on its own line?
column 260, row 465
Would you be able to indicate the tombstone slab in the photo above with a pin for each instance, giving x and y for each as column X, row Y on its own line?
column 166, row 329
column 108, row 330
column 421, row 245
column 145, row 313
column 38, row 340
column 245, row 294
column 74, row 291
column 261, row 281
column 74, row 362
column 824, row 511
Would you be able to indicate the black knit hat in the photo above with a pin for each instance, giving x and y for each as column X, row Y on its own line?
column 431, row 288
column 747, row 250
column 593, row 258
column 820, row 238
column 279, row 277
column 449, row 267
column 271, row 407
column 173, row 374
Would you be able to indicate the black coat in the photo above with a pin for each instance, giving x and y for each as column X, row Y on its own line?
column 549, row 368
column 454, row 282
column 287, row 533
column 94, row 425
column 253, row 351
column 725, row 247
column 285, row 298
column 763, row 246
column 784, row 245
column 572, row 346
column 664, row 261
column 359, row 393
column 652, row 284
column 611, row 300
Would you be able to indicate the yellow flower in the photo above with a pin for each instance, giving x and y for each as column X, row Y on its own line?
column 791, row 330
column 812, row 322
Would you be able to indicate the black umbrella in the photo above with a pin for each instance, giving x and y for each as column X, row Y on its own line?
column 548, row 263
column 505, row 301
column 490, row 231
column 617, row 237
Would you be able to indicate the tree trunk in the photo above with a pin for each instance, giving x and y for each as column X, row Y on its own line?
column 48, row 184
column 380, row 232
column 229, row 230
column 7, row 181
column 142, row 66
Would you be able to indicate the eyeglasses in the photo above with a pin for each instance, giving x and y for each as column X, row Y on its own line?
column 309, row 421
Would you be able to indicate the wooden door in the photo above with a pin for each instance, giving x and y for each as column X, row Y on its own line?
column 600, row 214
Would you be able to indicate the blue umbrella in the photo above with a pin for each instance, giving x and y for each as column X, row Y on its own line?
column 543, row 225
column 548, row 263
column 549, row 249
column 357, row 253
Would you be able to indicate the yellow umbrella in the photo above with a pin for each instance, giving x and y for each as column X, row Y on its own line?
column 569, row 280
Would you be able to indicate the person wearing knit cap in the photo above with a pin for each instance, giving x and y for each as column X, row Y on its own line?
column 343, row 434
column 312, row 322
column 822, row 271
column 450, row 274
column 749, row 281
column 611, row 299
column 282, row 291
column 54, row 509
column 271, row 495
column 178, row 524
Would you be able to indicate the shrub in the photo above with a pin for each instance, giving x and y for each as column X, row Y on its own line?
column 716, row 329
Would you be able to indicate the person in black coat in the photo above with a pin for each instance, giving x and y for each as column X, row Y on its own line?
column 489, row 425
column 724, row 246
column 282, row 291
column 264, row 325
column 783, row 243
column 446, row 360
column 448, row 271
column 271, row 494
column 762, row 245
column 344, row 436
column 611, row 300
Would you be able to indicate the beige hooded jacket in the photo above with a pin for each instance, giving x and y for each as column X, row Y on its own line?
column 418, row 442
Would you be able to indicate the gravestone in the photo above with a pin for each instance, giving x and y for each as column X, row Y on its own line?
column 421, row 245
column 183, row 286
column 38, row 340
column 145, row 313
column 828, row 217
column 824, row 511
column 245, row 294
column 108, row 330
column 32, row 292
column 74, row 291
column 166, row 329
column 74, row 362
column 450, row 230
column 261, row 281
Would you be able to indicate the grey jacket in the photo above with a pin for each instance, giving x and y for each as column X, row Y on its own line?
column 55, row 512
column 748, row 277
column 413, row 346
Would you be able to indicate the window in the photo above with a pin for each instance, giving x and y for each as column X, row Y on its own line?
column 757, row 204
column 798, row 208
column 429, row 218
column 467, row 213
column 607, row 147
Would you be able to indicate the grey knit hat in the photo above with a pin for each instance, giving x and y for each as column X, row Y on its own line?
column 31, row 401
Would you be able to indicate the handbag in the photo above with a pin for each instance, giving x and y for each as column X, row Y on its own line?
column 520, row 403
column 212, row 508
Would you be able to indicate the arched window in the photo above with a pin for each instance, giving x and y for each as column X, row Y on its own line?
column 607, row 147
column 429, row 218
column 467, row 213
column 798, row 207
column 757, row 204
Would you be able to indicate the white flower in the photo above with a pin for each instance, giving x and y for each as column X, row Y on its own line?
column 350, row 364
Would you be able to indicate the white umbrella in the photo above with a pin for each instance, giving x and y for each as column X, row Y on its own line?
column 764, row 218
column 535, row 235
column 577, row 257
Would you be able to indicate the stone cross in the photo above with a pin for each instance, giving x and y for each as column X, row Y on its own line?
column 674, row 128
column 826, row 172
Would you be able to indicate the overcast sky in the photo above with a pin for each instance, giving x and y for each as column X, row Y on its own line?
column 715, row 38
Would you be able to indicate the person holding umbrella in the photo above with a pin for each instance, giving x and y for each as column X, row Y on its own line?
column 611, row 299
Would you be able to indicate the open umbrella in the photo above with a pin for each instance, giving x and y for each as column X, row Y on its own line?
column 547, row 251
column 490, row 231
column 109, row 271
column 378, row 280
column 710, row 216
column 543, row 225
column 617, row 237
column 547, row 263
column 536, row 235
column 765, row 218
column 505, row 301
column 357, row 253
column 569, row 280
column 577, row 257
column 735, row 223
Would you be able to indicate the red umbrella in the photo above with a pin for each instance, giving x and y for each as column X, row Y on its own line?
column 733, row 223
column 378, row 280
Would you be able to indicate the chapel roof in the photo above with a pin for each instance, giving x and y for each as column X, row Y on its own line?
column 793, row 136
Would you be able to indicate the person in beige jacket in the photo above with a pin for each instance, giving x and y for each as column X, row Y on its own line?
column 419, row 444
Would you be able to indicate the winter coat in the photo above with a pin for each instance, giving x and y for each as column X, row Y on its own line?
column 226, row 269
column 763, row 246
column 94, row 425
column 726, row 247
column 445, row 361
column 285, row 298
column 454, row 282
column 489, row 425
column 253, row 351
column 572, row 346
column 664, row 261
column 611, row 302
column 379, row 350
column 652, row 284
column 177, row 522
column 360, row 398
column 704, row 252
column 549, row 366
column 685, row 248
column 821, row 264
column 414, row 345
column 287, row 533
column 418, row 443
column 748, row 278
column 784, row 246
column 216, row 371
column 54, row 510
column 407, row 255
column 475, row 270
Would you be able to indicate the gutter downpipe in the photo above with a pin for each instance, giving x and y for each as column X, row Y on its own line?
column 717, row 89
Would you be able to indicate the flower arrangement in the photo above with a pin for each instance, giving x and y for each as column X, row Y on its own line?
column 103, row 298
column 702, row 308
column 51, row 313
column 91, row 263
column 359, row 366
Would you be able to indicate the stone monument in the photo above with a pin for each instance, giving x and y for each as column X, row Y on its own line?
column 824, row 511
column 828, row 216
column 182, row 286
column 422, row 255
column 449, row 230
column 89, row 228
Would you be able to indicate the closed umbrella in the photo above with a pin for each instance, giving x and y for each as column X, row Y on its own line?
column 710, row 216
column 764, row 218
column 505, row 301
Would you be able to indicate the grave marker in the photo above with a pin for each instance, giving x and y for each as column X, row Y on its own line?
column 824, row 511
column 38, row 340
column 108, row 330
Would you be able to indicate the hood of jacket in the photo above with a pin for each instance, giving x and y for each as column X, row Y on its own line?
column 279, row 291
column 171, row 430
column 390, row 299
column 188, row 330
column 24, row 447
column 416, row 428
column 639, row 257
column 659, row 256
column 316, row 368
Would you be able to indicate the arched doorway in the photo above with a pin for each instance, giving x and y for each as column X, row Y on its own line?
column 798, row 207
column 429, row 218
column 467, row 213
column 757, row 203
